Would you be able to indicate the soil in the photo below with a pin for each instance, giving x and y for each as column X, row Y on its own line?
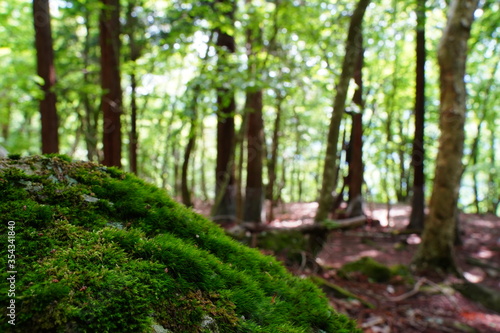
column 428, row 305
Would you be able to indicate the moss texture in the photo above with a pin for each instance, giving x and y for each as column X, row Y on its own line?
column 99, row 250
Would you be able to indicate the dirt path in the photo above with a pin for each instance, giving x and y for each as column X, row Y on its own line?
column 435, row 307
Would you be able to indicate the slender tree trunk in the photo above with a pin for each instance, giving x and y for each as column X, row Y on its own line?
column 133, row 136
column 254, row 193
column 474, row 150
column 272, row 163
column 177, row 171
column 402, row 189
column 185, row 189
column 46, row 70
column 240, row 143
column 111, row 103
column 90, row 119
column 5, row 123
column 295, row 172
column 418, row 156
column 135, row 53
column 493, row 186
column 436, row 250
column 203, row 181
column 224, row 209
column 353, row 47
column 355, row 158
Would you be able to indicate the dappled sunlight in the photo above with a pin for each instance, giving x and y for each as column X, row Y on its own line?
column 393, row 216
column 367, row 253
column 414, row 239
column 288, row 224
column 479, row 221
column 475, row 275
column 295, row 214
column 484, row 253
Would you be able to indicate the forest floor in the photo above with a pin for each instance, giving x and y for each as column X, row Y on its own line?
column 428, row 305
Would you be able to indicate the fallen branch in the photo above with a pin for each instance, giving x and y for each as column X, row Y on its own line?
column 488, row 297
column 409, row 294
column 338, row 290
column 482, row 263
column 310, row 228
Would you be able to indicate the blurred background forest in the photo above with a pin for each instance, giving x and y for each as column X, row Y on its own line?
column 192, row 69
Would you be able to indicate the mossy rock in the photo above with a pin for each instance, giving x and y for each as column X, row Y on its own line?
column 99, row 250
column 288, row 246
column 368, row 267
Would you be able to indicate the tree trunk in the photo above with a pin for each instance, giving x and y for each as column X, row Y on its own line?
column 493, row 185
column 47, row 71
column 185, row 188
column 474, row 150
column 203, row 177
column 353, row 47
column 240, row 143
column 224, row 209
column 436, row 250
column 111, row 102
column 356, row 157
column 90, row 119
column 418, row 156
column 254, row 193
column 295, row 172
column 177, row 170
column 186, row 193
column 135, row 52
column 271, row 167
column 355, row 151
column 133, row 137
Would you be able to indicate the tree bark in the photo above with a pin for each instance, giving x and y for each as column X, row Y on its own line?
column 272, row 163
column 188, row 150
column 186, row 193
column 254, row 193
column 90, row 119
column 111, row 102
column 355, row 151
column 135, row 52
column 436, row 251
column 240, row 143
column 356, row 157
column 353, row 48
column 224, row 209
column 418, row 156
column 46, row 70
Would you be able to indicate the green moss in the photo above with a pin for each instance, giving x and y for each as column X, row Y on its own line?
column 368, row 267
column 14, row 156
column 99, row 250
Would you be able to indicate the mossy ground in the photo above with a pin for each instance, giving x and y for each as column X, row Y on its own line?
column 99, row 250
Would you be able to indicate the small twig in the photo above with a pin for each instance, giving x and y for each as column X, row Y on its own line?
column 409, row 294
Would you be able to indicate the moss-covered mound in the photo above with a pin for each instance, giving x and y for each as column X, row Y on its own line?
column 99, row 250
